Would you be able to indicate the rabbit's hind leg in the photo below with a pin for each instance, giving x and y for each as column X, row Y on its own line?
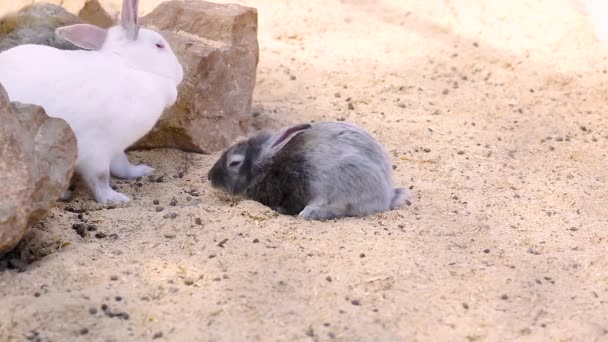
column 322, row 212
column 121, row 167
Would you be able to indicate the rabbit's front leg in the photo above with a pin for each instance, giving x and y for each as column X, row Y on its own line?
column 97, row 176
column 122, row 168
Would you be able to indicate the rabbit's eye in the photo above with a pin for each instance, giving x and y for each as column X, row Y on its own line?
column 160, row 45
column 234, row 163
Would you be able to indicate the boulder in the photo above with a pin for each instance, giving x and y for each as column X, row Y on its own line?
column 36, row 24
column 37, row 157
column 218, row 48
column 94, row 13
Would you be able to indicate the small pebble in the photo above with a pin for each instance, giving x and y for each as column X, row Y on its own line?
column 159, row 209
column 198, row 221
column 155, row 202
column 173, row 202
column 84, row 331
column 157, row 335
column 170, row 216
column 100, row 235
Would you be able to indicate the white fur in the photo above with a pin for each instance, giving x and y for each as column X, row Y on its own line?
column 597, row 10
column 111, row 97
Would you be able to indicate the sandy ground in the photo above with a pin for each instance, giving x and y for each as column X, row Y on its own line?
column 495, row 115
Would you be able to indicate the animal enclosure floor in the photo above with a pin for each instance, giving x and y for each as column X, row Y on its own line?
column 494, row 112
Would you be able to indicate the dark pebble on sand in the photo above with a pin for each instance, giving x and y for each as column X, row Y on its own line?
column 159, row 209
column 157, row 335
column 81, row 230
column 355, row 302
column 222, row 243
column 100, row 235
column 155, row 202
column 198, row 221
column 84, row 331
column 256, row 240
column 93, row 311
column 170, row 216
column 173, row 202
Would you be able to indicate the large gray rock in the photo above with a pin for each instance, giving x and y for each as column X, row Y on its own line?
column 37, row 156
column 36, row 24
column 218, row 47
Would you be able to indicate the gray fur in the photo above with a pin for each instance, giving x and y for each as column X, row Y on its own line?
column 353, row 172
column 331, row 169
column 36, row 24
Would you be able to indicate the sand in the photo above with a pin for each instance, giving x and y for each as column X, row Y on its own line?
column 494, row 114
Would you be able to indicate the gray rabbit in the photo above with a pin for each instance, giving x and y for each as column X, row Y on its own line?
column 320, row 171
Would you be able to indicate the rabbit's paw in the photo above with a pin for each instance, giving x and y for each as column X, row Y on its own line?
column 122, row 168
column 141, row 170
column 110, row 196
column 314, row 212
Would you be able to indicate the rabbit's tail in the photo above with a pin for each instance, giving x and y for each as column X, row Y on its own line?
column 399, row 198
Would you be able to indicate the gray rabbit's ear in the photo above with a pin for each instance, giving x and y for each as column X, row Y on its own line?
column 129, row 20
column 88, row 37
column 276, row 142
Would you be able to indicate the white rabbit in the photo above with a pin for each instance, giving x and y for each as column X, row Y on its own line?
column 597, row 10
column 111, row 96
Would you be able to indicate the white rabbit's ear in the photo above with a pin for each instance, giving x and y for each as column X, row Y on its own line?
column 85, row 36
column 129, row 19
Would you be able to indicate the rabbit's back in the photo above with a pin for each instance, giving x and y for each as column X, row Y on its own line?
column 102, row 99
column 351, row 166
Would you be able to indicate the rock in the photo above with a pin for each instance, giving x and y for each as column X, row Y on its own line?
column 36, row 24
column 94, row 13
column 218, row 48
column 37, row 157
